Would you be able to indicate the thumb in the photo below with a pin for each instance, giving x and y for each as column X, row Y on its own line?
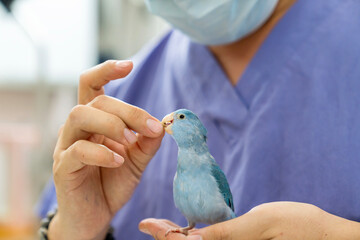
column 149, row 146
column 144, row 149
column 92, row 80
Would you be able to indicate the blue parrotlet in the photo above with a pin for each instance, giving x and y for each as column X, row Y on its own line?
column 200, row 188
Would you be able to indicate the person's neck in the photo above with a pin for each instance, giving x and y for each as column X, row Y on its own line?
column 235, row 57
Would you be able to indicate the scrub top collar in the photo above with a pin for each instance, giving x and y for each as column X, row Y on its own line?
column 206, row 88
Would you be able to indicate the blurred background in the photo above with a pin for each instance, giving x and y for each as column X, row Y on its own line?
column 44, row 47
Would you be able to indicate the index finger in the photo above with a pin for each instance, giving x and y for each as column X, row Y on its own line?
column 92, row 80
column 134, row 117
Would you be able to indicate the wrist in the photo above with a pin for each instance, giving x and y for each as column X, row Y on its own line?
column 60, row 229
column 340, row 228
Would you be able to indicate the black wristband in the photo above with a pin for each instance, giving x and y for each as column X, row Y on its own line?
column 44, row 226
column 45, row 222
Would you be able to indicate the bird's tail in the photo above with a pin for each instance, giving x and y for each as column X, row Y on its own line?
column 233, row 214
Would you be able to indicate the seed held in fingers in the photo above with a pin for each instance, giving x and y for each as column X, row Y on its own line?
column 130, row 136
column 119, row 159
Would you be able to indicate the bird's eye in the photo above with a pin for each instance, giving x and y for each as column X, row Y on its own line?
column 182, row 116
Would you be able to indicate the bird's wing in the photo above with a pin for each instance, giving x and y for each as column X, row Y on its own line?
column 222, row 184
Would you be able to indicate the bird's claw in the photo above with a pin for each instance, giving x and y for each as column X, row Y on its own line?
column 177, row 230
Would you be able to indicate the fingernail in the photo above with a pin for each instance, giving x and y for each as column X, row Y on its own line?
column 154, row 126
column 123, row 64
column 119, row 159
column 194, row 237
column 130, row 136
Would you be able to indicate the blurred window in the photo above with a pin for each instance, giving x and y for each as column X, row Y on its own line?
column 51, row 39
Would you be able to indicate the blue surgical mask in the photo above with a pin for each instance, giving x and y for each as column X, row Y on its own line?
column 214, row 22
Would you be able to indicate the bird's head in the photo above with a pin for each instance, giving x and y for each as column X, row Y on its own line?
column 185, row 127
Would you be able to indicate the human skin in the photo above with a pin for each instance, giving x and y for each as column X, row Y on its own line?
column 87, row 176
column 279, row 220
column 96, row 167
column 270, row 221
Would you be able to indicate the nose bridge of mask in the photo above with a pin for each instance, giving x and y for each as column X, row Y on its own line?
column 199, row 8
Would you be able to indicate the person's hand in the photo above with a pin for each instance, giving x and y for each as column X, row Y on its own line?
column 98, row 160
column 271, row 221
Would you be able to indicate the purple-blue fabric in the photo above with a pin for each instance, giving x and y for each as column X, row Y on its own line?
column 288, row 131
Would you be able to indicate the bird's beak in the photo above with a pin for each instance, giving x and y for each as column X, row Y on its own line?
column 167, row 123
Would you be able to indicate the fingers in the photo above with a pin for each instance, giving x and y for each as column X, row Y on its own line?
column 84, row 121
column 107, row 123
column 84, row 152
column 92, row 81
column 250, row 226
column 135, row 118
column 142, row 152
column 148, row 145
column 114, row 146
column 158, row 228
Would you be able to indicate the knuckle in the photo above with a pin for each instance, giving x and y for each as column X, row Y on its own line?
column 75, row 149
column 84, row 77
column 56, row 164
column 76, row 113
column 108, row 63
column 56, row 156
column 115, row 124
column 98, row 101
column 107, row 66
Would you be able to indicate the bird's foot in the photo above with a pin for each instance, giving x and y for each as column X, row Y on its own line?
column 184, row 230
column 177, row 230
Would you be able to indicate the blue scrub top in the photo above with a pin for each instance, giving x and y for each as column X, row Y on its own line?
column 288, row 131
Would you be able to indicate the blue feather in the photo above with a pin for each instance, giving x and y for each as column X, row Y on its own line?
column 223, row 185
column 201, row 191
